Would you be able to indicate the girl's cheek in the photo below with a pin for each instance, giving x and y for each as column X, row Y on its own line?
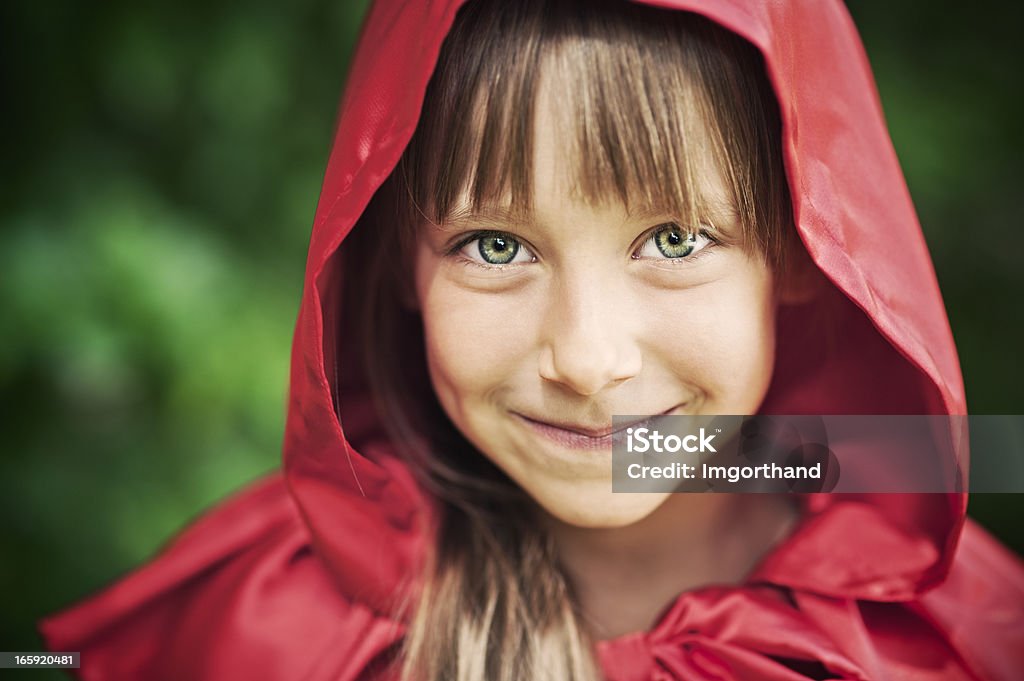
column 745, row 342
column 718, row 338
column 475, row 339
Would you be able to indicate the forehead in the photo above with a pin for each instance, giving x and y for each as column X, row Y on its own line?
column 562, row 174
column 654, row 114
column 586, row 120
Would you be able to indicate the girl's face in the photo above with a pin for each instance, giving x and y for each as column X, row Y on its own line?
column 538, row 331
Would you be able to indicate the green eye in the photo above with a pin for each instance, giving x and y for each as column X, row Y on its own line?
column 498, row 249
column 673, row 242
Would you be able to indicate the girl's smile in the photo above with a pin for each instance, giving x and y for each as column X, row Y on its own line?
column 582, row 436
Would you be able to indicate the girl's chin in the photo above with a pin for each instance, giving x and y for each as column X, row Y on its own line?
column 603, row 510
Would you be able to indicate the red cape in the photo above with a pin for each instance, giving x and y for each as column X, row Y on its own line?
column 298, row 576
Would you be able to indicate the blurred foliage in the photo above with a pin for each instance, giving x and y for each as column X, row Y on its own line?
column 952, row 89
column 161, row 167
column 162, row 162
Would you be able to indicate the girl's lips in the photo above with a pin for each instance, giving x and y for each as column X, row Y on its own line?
column 581, row 437
column 570, row 438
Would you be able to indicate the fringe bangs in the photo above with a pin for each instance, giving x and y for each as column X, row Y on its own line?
column 641, row 108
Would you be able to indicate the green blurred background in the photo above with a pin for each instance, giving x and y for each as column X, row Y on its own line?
column 161, row 165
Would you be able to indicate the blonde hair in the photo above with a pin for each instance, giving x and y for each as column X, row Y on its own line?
column 644, row 92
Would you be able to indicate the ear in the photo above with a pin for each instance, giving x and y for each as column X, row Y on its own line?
column 801, row 281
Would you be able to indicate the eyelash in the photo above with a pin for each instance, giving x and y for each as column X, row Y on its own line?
column 455, row 251
column 683, row 260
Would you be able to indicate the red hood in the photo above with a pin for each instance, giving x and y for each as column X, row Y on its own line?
column 894, row 352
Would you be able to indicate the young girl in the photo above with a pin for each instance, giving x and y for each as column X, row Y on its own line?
column 537, row 215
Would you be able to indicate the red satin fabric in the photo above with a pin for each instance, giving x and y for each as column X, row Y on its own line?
column 298, row 577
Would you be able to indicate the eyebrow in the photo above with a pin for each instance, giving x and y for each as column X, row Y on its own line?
column 495, row 216
column 723, row 208
column 501, row 217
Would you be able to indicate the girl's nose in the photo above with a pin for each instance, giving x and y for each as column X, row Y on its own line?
column 589, row 338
